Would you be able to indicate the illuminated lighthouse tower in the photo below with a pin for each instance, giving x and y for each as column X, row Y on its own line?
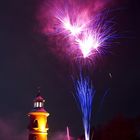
column 38, row 125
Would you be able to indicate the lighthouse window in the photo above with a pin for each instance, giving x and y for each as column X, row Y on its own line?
column 35, row 124
column 46, row 125
column 37, row 104
column 35, row 138
column 40, row 104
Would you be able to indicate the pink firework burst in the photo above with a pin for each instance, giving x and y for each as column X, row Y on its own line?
column 92, row 37
column 83, row 32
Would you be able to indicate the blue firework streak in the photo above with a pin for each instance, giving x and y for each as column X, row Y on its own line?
column 84, row 95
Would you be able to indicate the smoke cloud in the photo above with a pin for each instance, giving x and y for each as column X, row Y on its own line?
column 60, row 136
column 10, row 130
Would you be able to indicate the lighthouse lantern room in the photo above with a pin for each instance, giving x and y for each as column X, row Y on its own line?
column 38, row 125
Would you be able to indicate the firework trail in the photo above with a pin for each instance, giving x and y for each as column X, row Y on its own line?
column 84, row 95
column 68, row 134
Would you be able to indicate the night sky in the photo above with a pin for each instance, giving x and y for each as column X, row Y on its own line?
column 26, row 63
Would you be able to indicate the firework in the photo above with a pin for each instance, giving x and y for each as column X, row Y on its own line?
column 84, row 95
column 87, row 34
column 84, row 32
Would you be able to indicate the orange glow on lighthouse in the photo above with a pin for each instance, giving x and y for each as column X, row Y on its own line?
column 38, row 125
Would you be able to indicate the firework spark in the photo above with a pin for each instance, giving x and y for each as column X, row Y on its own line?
column 84, row 95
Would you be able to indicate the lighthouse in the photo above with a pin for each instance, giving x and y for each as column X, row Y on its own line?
column 38, row 124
